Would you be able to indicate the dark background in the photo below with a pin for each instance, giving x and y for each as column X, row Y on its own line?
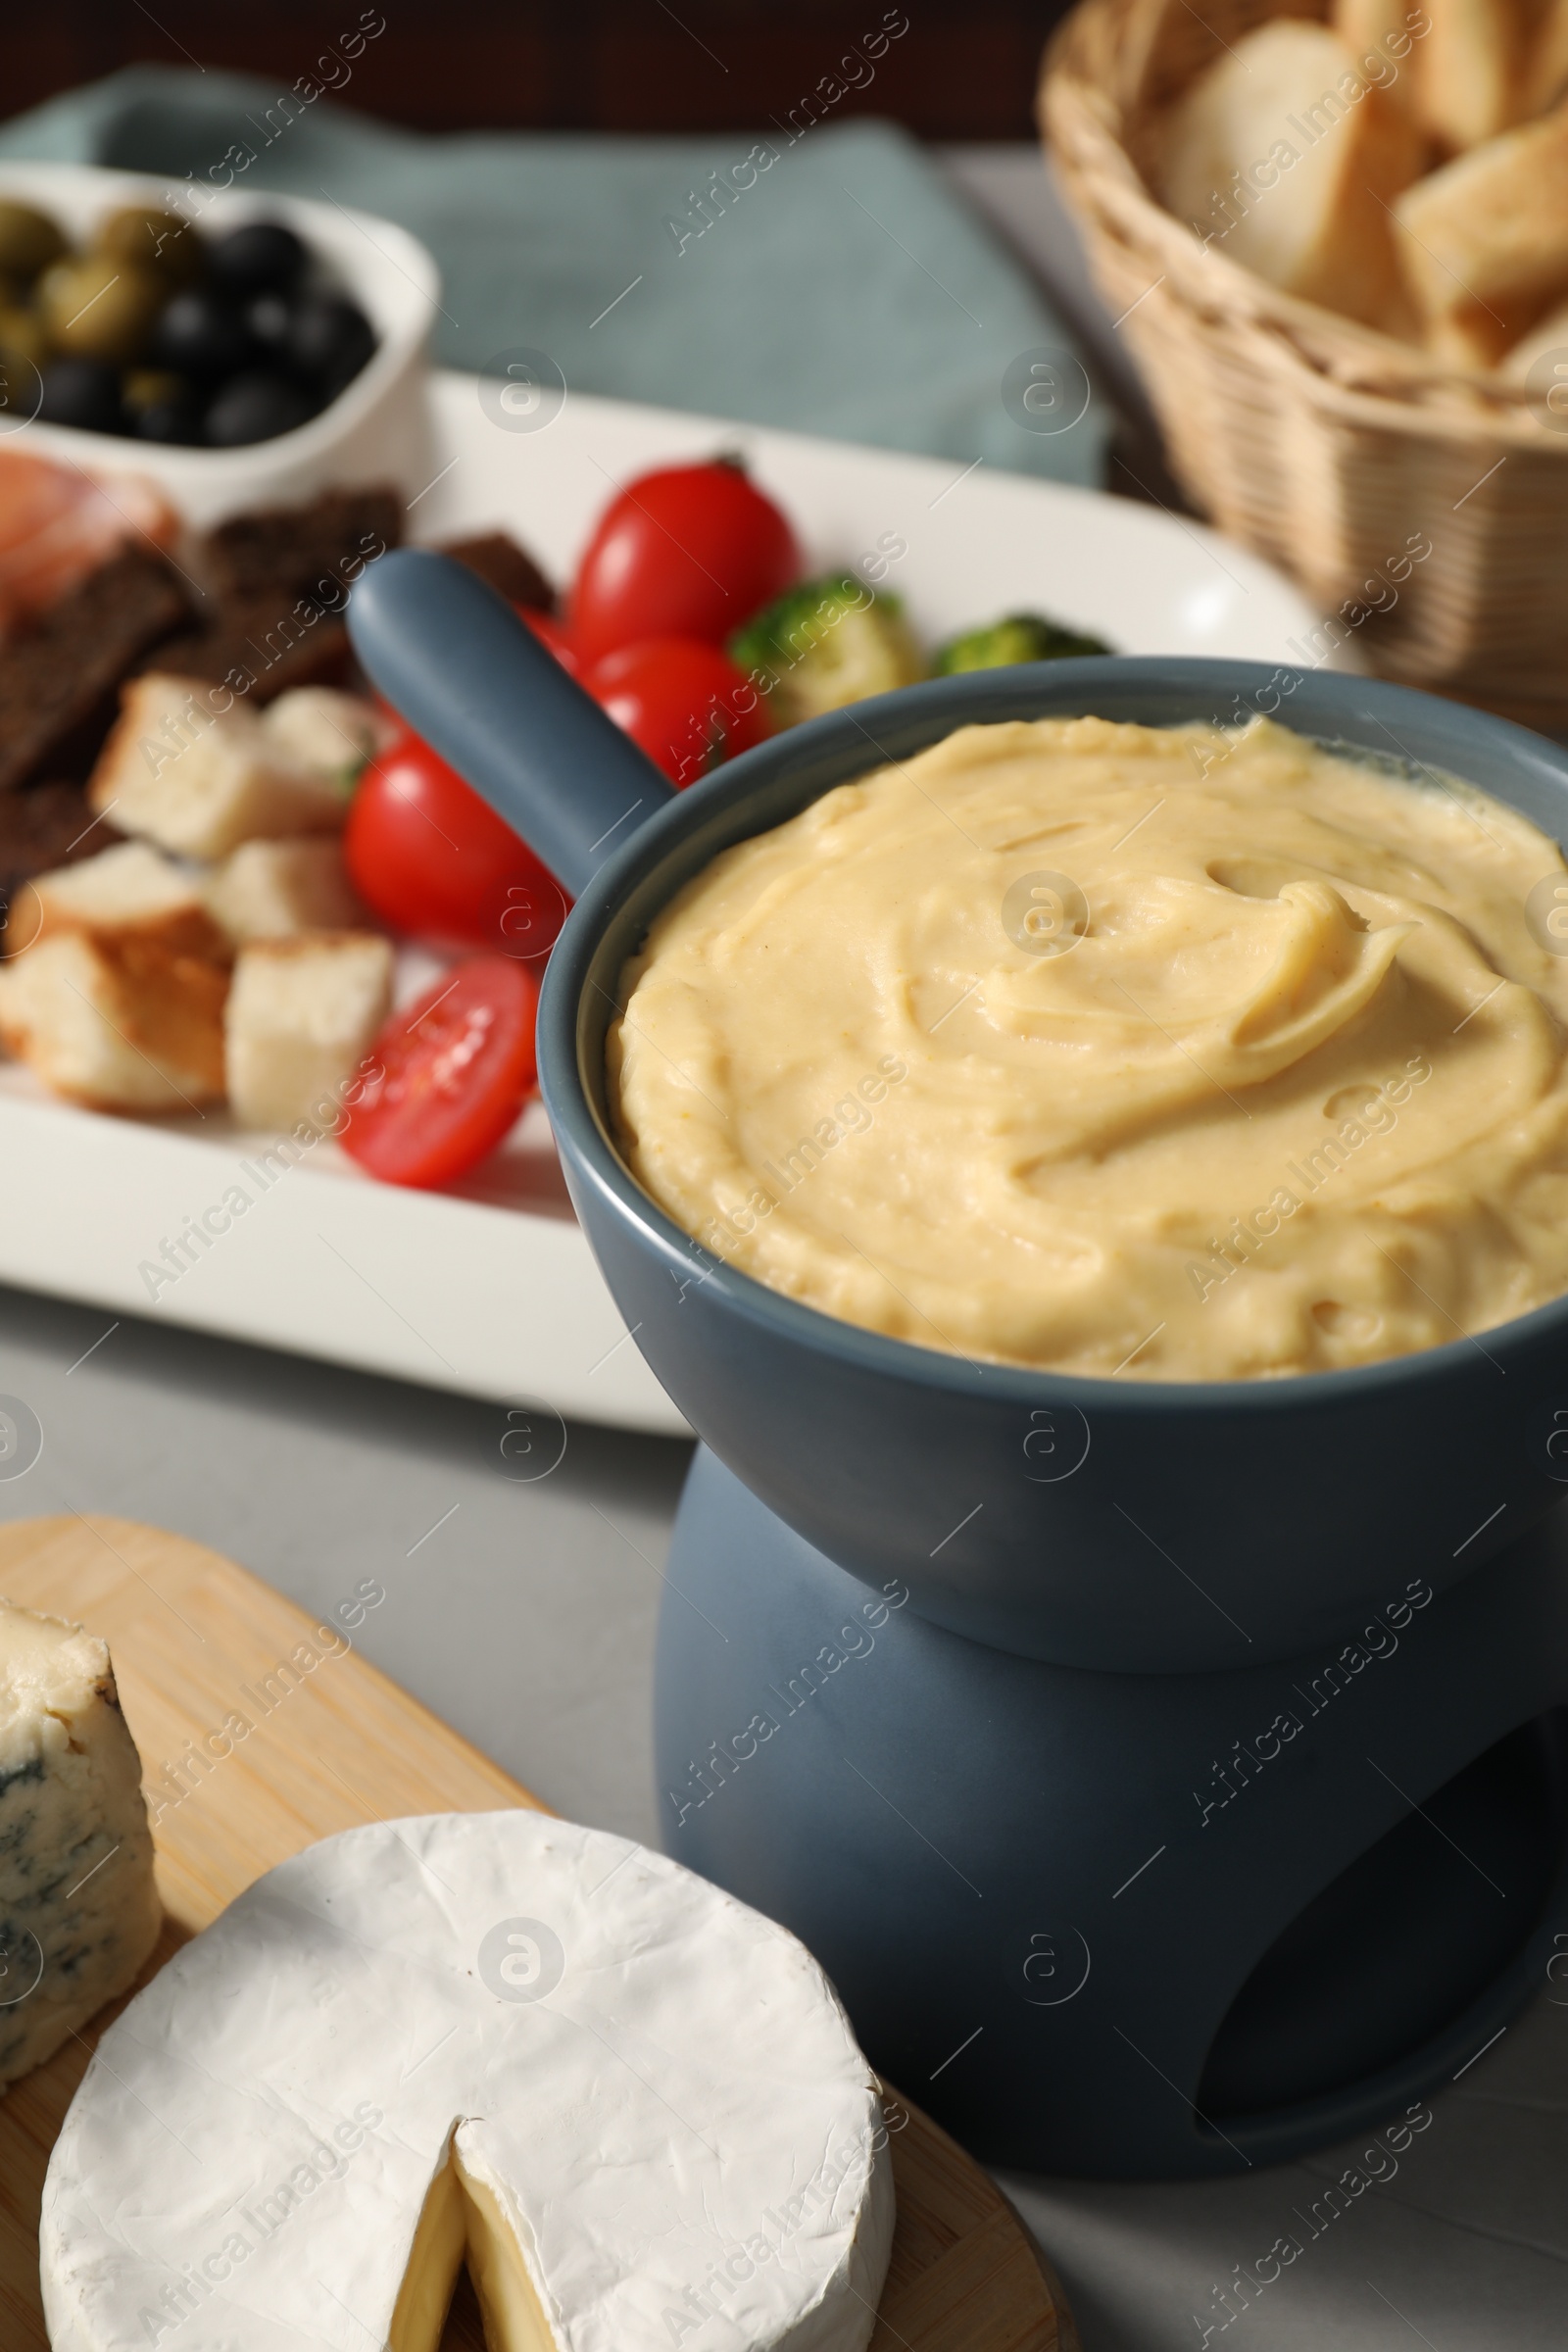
column 965, row 69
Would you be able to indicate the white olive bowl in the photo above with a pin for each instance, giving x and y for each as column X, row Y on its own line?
column 377, row 429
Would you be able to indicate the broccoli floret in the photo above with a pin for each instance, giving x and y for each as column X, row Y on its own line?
column 825, row 643
column 1020, row 637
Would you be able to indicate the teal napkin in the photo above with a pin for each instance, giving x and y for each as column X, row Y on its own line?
column 846, row 290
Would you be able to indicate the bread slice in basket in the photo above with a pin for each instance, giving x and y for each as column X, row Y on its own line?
column 1484, row 241
column 1288, row 154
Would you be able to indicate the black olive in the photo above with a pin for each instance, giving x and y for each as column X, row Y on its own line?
column 200, row 334
column 262, row 258
column 177, row 420
column 256, row 408
column 267, row 321
column 330, row 340
column 84, row 393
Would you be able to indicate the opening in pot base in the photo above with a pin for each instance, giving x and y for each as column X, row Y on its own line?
column 1039, row 1908
column 1405, row 1939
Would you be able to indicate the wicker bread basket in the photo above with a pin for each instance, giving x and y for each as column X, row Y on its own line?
column 1334, row 450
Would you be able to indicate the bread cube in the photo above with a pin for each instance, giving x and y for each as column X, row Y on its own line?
column 1284, row 156
column 302, row 1015
column 1484, row 241
column 78, row 1910
column 114, row 990
column 199, row 776
column 131, row 1028
column 331, row 733
column 130, row 890
column 276, row 889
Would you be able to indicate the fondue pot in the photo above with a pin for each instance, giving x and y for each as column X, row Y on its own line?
column 1166, row 1772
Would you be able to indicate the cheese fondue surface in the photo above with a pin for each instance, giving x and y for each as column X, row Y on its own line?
column 1163, row 1054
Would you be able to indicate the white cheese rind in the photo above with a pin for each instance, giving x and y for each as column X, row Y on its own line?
column 660, row 2091
column 78, row 1910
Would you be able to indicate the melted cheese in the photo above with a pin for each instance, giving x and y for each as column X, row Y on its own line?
column 1159, row 1054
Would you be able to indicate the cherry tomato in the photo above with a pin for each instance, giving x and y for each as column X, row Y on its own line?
column 689, row 551
column 433, row 858
column 446, row 1077
column 554, row 634
column 684, row 702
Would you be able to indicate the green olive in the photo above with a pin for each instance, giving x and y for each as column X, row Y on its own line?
column 96, row 308
column 146, row 387
column 28, row 240
column 22, row 331
column 162, row 242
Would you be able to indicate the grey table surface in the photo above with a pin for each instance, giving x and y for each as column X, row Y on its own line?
column 523, row 1614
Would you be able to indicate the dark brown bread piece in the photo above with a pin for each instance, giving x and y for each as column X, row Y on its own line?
column 509, row 569
column 315, row 552
column 56, row 683
column 277, row 582
column 262, row 649
column 47, row 825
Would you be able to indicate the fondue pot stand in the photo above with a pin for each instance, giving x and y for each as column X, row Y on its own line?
column 1168, row 1774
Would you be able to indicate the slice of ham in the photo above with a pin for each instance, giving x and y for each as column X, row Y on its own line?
column 58, row 523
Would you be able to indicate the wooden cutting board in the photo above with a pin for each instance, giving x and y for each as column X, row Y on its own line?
column 195, row 1639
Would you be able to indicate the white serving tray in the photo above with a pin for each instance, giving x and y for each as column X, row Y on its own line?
column 490, row 1290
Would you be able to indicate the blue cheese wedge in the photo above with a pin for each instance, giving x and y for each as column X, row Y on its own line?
column 632, row 2105
column 78, row 1911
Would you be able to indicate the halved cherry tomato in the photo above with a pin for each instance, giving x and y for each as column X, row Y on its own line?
column 446, row 1077
column 687, row 551
column 554, row 634
column 684, row 702
column 434, row 859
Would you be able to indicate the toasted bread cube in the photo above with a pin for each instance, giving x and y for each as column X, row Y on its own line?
column 199, row 776
column 300, row 1018
column 1484, row 241
column 331, row 733
column 128, row 1025
column 276, row 889
column 114, row 987
column 130, row 891
column 1279, row 155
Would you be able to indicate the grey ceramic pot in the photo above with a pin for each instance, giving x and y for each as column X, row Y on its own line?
column 1112, row 1524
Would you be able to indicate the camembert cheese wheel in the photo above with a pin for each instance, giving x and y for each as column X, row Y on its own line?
column 633, row 2104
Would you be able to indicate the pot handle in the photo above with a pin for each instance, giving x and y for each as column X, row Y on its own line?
column 453, row 656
